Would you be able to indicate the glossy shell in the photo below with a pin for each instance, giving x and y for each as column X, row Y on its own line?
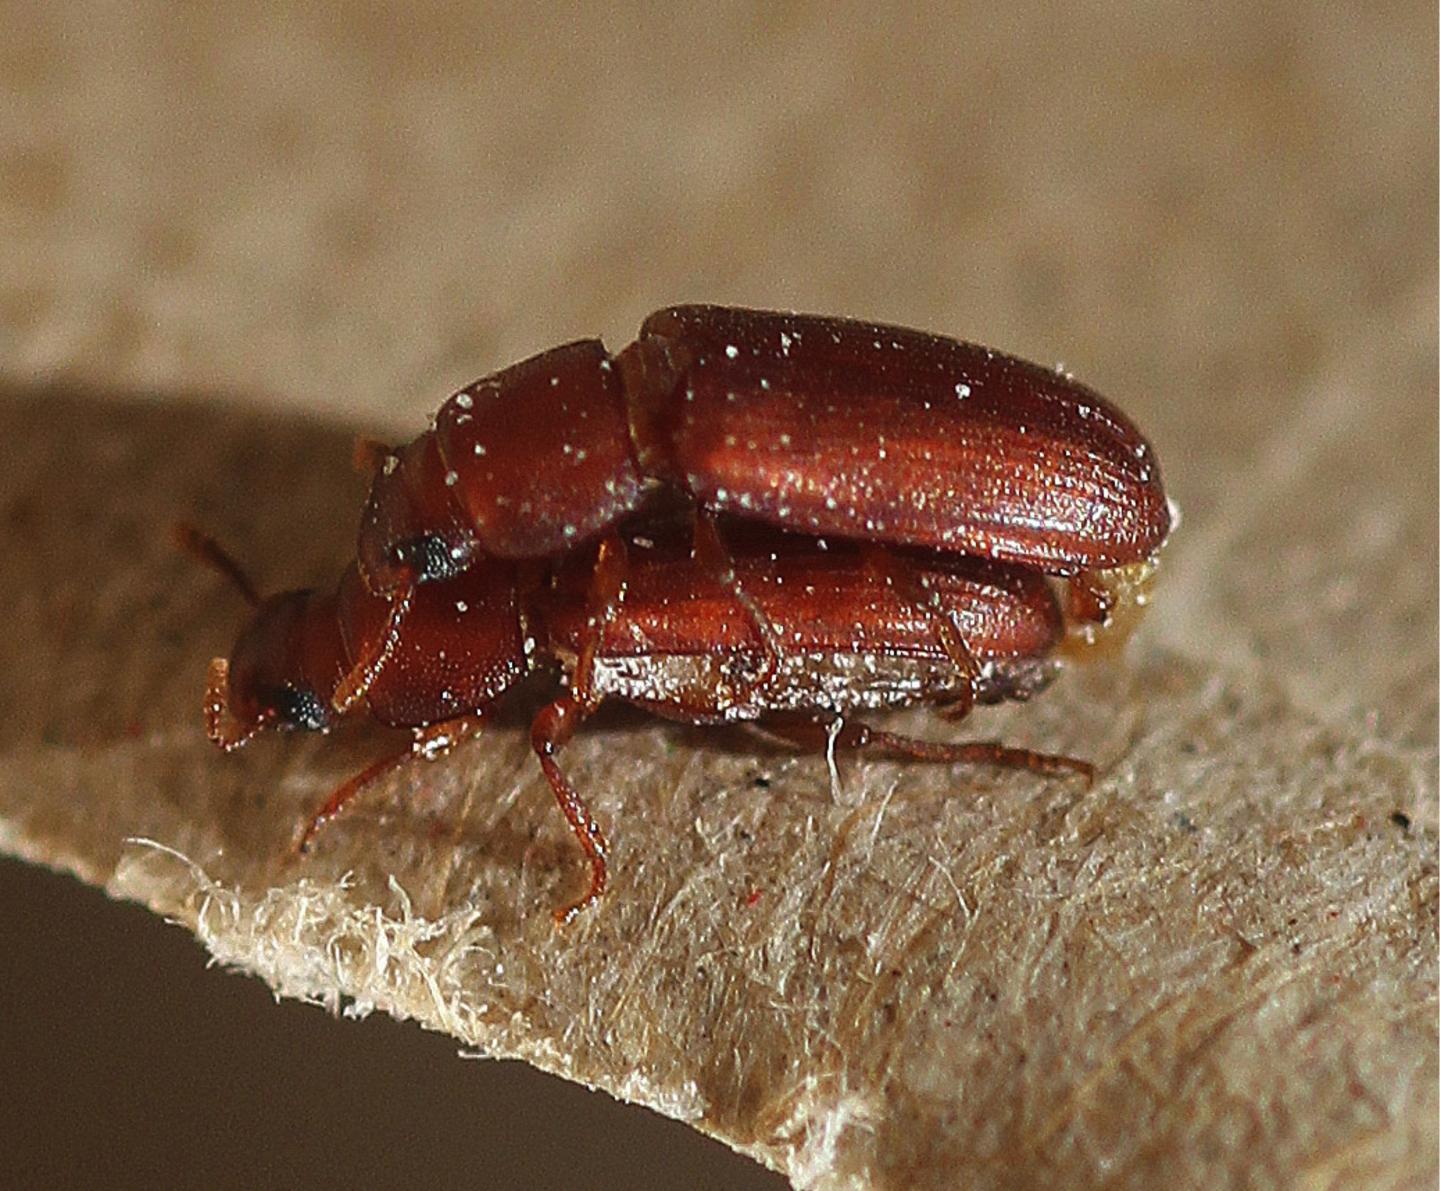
column 809, row 424
column 867, row 431
column 681, row 644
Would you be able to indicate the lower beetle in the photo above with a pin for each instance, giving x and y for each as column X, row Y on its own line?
column 847, row 630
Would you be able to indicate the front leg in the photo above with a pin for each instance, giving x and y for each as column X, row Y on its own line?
column 375, row 655
column 430, row 742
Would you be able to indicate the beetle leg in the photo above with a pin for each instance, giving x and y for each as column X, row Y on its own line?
column 1103, row 607
column 431, row 742
column 1090, row 601
column 553, row 726
column 915, row 592
column 369, row 455
column 710, row 552
column 812, row 736
column 555, row 723
column 373, row 660
column 607, row 593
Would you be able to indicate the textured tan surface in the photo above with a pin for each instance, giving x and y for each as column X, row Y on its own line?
column 230, row 240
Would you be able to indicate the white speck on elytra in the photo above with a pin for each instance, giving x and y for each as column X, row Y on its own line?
column 391, row 463
column 464, row 401
column 554, row 381
column 461, row 606
column 962, row 390
column 731, row 351
column 479, row 448
column 452, row 478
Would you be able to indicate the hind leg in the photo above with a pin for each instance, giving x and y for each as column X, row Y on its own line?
column 809, row 735
column 909, row 586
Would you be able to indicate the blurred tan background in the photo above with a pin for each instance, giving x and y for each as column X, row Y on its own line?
column 1223, row 216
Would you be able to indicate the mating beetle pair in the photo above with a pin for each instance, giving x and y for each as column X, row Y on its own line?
column 874, row 517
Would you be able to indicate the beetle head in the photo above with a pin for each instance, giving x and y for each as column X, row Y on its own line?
column 282, row 673
column 286, row 664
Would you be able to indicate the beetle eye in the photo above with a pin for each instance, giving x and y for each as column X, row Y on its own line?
column 429, row 558
column 299, row 707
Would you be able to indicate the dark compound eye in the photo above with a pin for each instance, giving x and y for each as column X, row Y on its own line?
column 430, row 558
column 296, row 707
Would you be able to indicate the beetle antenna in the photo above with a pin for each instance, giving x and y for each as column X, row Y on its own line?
column 201, row 546
column 369, row 456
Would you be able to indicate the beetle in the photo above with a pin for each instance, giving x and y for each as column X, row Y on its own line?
column 820, row 425
column 675, row 640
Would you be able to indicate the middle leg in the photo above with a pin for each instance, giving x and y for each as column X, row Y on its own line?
column 710, row 552
column 553, row 726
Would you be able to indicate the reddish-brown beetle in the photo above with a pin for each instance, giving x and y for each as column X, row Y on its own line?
column 674, row 639
column 810, row 424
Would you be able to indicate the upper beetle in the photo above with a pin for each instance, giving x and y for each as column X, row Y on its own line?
column 819, row 425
